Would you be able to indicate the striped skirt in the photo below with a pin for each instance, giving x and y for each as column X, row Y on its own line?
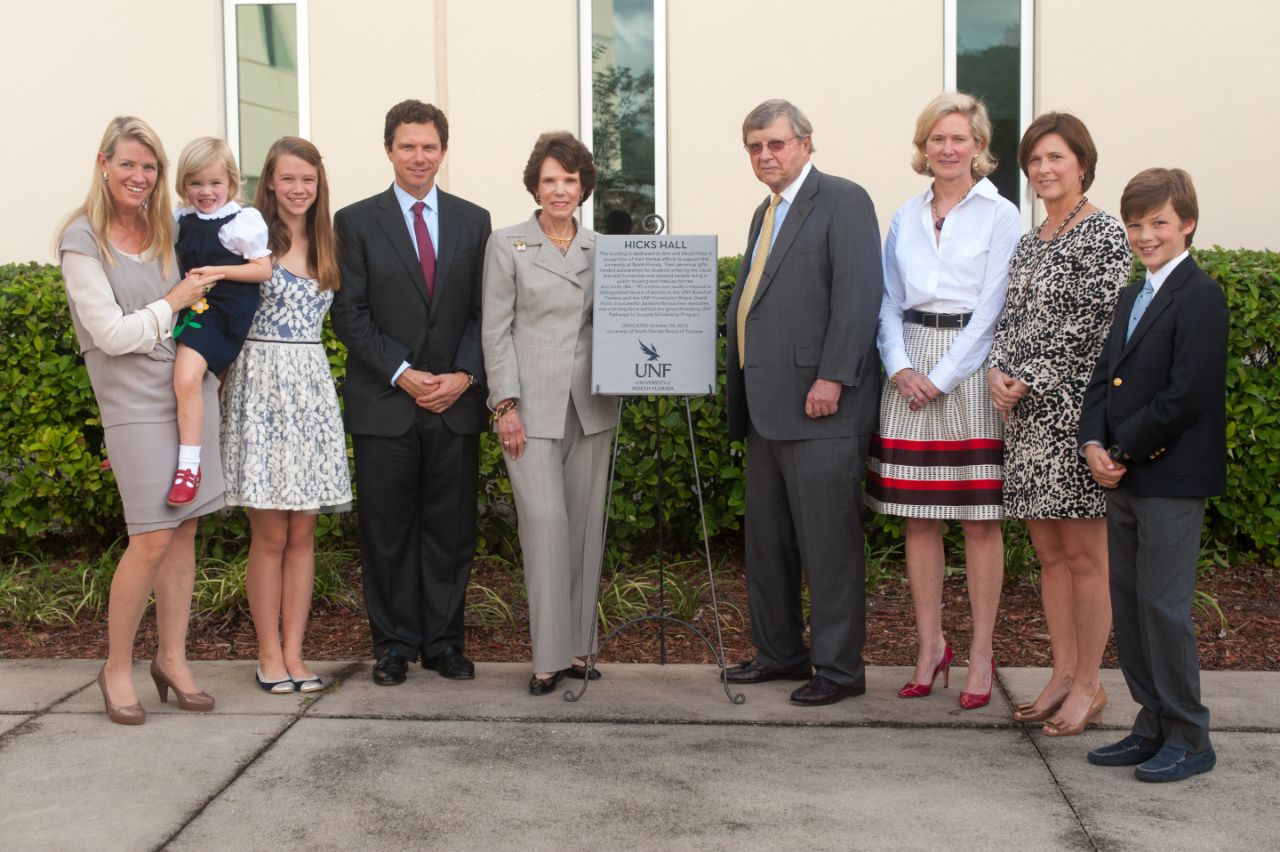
column 945, row 461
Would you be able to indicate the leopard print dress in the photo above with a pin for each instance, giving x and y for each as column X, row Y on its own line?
column 1062, row 296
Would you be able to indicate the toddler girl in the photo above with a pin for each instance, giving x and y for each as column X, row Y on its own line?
column 215, row 236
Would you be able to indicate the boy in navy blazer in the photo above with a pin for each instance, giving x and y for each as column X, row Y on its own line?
column 1152, row 430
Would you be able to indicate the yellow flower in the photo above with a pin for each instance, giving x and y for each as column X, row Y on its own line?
column 200, row 306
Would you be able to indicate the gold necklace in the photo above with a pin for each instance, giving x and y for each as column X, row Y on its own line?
column 1084, row 199
column 933, row 205
column 1045, row 244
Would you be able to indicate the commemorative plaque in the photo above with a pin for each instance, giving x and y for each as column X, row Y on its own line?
column 655, row 315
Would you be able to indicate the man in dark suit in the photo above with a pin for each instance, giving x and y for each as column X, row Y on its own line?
column 409, row 313
column 1153, row 432
column 803, row 384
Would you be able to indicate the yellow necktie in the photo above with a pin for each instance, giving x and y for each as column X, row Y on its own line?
column 754, row 276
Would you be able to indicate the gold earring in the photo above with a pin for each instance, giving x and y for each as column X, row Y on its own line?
column 104, row 177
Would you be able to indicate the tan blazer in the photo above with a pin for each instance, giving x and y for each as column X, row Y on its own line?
column 536, row 329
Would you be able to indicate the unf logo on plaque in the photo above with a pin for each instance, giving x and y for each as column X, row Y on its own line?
column 654, row 328
column 648, row 369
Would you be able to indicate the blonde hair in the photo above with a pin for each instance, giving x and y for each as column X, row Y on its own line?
column 201, row 154
column 983, row 163
column 99, row 210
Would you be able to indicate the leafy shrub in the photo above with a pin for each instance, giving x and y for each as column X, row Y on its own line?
column 50, row 433
column 1248, row 514
column 54, row 491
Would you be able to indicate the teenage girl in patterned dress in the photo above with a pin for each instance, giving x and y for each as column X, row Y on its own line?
column 284, row 453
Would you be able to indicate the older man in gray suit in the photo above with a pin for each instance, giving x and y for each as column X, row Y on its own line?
column 802, row 386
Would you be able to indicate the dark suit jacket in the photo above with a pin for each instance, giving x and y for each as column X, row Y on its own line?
column 1162, row 396
column 383, row 315
column 814, row 316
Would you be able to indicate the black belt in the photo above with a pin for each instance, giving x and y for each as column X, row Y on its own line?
column 936, row 320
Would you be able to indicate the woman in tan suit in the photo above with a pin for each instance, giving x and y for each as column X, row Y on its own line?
column 555, row 433
column 123, row 288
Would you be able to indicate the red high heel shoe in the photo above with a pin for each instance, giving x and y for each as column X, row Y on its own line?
column 920, row 690
column 974, row 700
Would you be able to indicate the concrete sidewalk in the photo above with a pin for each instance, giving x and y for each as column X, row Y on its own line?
column 651, row 757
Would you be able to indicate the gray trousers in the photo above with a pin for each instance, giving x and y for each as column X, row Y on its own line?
column 1153, row 544
column 559, row 489
column 804, row 507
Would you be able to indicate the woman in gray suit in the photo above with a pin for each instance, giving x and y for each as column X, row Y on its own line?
column 555, row 433
column 124, row 289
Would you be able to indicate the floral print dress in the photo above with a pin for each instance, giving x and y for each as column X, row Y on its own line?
column 283, row 445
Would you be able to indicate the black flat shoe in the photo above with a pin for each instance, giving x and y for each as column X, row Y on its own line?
column 451, row 663
column 820, row 690
column 578, row 672
column 390, row 670
column 539, row 686
column 752, row 671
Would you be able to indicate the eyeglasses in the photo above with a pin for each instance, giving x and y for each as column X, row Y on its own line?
column 774, row 145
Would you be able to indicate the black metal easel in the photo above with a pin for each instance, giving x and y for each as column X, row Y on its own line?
column 654, row 223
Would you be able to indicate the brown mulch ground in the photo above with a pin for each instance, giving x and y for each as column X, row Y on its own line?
column 1247, row 596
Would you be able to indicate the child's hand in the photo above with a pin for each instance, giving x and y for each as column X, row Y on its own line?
column 190, row 290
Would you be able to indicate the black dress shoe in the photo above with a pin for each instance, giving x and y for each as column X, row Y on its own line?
column 390, row 670
column 820, row 690
column 752, row 671
column 578, row 672
column 540, row 686
column 451, row 663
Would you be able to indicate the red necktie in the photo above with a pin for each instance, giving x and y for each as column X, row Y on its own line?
column 426, row 251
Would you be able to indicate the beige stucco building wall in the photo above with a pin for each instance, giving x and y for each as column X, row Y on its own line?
column 1180, row 83
column 505, row 71
column 848, row 70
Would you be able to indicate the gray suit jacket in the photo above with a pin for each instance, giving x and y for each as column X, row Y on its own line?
column 536, row 329
column 814, row 316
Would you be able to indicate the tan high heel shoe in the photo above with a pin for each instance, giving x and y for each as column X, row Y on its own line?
column 197, row 702
column 131, row 715
column 1029, row 713
column 1056, row 727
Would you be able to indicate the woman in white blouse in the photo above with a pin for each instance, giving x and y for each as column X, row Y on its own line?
column 938, row 454
column 123, row 288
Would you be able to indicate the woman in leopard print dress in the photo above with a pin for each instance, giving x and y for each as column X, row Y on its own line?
column 1065, row 279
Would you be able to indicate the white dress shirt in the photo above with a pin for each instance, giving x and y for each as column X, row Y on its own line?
column 964, row 271
column 1157, row 279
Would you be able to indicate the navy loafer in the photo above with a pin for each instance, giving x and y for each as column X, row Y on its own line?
column 1176, row 764
column 1130, row 751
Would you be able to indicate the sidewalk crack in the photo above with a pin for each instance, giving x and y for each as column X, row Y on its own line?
column 336, row 680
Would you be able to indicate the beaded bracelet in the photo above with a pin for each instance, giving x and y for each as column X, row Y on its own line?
column 503, row 407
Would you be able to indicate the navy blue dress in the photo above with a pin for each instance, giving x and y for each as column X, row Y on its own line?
column 219, row 332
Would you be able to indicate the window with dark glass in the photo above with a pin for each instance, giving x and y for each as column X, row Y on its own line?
column 267, row 82
column 988, row 65
column 622, row 114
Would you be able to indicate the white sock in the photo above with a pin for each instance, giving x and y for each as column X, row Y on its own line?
column 189, row 457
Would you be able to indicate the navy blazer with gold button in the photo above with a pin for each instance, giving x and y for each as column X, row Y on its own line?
column 1161, row 397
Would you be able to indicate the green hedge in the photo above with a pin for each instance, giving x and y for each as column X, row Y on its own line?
column 56, row 495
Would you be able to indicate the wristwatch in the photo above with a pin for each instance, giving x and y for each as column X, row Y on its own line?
column 471, row 379
column 1116, row 454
